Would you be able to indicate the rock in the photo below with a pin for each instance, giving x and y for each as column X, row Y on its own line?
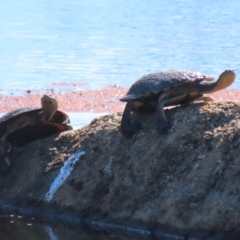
column 186, row 182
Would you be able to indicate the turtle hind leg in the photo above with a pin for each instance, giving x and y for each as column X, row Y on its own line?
column 128, row 128
column 207, row 98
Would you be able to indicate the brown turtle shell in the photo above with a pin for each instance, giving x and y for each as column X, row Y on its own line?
column 22, row 125
column 152, row 85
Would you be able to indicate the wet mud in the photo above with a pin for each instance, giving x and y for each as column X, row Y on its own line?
column 74, row 100
column 102, row 100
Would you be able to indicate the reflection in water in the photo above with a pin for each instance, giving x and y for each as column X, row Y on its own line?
column 16, row 227
column 51, row 233
column 22, row 228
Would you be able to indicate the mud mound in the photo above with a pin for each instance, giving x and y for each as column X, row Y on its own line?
column 186, row 182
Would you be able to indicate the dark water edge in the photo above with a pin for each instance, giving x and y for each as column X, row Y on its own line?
column 49, row 224
column 75, row 225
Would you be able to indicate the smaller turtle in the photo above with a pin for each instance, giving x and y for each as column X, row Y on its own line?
column 168, row 88
column 27, row 124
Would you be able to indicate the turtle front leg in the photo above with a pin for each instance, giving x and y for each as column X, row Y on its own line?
column 128, row 128
column 162, row 123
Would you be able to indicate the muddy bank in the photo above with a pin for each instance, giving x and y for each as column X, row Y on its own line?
column 186, row 182
column 71, row 100
column 74, row 100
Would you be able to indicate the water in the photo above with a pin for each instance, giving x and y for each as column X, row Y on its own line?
column 27, row 228
column 103, row 42
column 80, row 119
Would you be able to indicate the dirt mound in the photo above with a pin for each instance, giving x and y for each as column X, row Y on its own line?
column 186, row 182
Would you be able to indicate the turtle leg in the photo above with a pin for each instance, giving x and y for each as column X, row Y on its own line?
column 162, row 123
column 67, row 127
column 61, row 127
column 207, row 98
column 128, row 128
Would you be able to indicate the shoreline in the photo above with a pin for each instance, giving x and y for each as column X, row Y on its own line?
column 103, row 100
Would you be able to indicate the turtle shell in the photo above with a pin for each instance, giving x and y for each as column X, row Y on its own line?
column 155, row 83
column 21, row 126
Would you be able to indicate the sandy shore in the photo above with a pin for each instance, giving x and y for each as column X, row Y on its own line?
column 104, row 100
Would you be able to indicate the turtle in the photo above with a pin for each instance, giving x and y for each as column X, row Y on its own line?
column 27, row 124
column 168, row 88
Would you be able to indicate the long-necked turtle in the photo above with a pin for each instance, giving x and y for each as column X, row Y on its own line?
column 168, row 88
column 27, row 124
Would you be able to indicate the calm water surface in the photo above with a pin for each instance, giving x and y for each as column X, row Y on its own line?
column 14, row 227
column 103, row 42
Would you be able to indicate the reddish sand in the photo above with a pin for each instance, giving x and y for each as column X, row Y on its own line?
column 104, row 100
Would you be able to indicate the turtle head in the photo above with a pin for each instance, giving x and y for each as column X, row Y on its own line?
column 49, row 106
column 225, row 79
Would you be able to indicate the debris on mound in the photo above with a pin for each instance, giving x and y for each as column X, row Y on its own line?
column 186, row 182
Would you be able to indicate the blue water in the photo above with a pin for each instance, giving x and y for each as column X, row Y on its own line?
column 103, row 42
